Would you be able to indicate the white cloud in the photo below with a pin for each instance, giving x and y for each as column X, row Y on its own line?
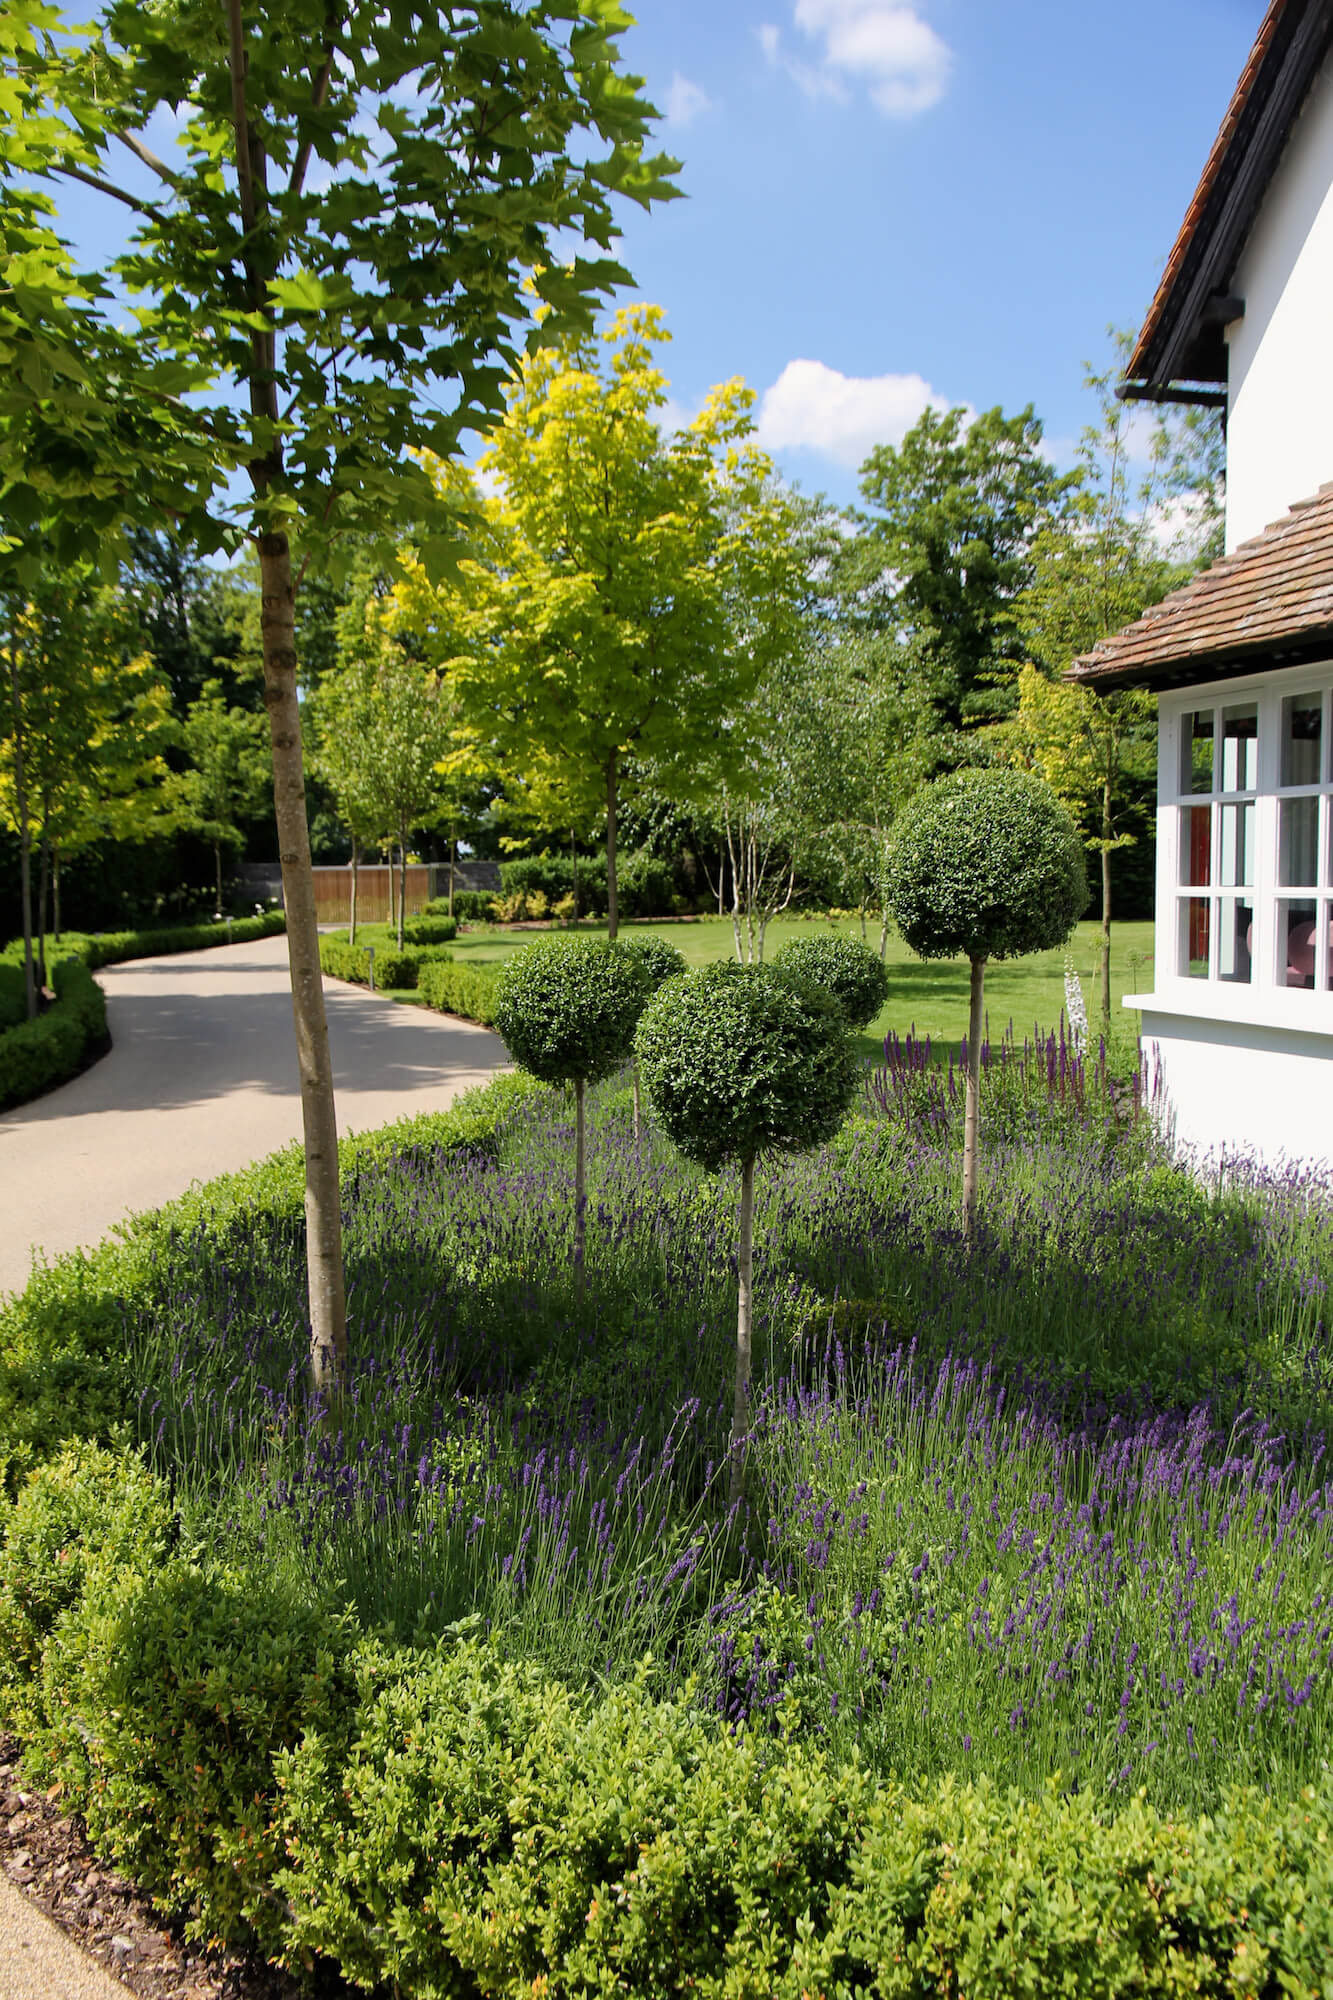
column 813, row 407
column 881, row 44
column 685, row 101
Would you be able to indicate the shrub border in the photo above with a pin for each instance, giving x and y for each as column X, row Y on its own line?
column 458, row 1823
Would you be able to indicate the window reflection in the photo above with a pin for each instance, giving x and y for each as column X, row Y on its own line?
column 1240, row 748
column 1196, row 752
column 1236, row 860
column 1302, row 724
column 1298, row 843
column 1235, row 941
column 1195, row 931
column 1296, row 931
column 1196, row 849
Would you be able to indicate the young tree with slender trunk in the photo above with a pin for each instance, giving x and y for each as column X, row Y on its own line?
column 739, row 1061
column 345, row 253
column 566, row 1010
column 227, row 776
column 984, row 864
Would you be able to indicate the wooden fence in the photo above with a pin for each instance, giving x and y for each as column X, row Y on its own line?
column 333, row 891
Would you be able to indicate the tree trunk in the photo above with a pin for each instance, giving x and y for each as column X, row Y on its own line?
column 25, row 830
column 402, row 883
column 974, row 1024
column 217, row 878
column 324, row 1257
column 43, row 880
column 55, row 892
column 453, row 864
column 356, row 856
column 580, row 1193
column 1106, row 904
column 612, row 907
column 740, row 1417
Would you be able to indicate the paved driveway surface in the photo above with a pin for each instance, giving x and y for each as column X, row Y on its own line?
column 202, row 1079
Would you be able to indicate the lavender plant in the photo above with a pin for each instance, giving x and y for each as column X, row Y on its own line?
column 1056, row 1504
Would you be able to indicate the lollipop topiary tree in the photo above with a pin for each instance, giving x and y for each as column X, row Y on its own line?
column 566, row 1010
column 740, row 1060
column 856, row 976
column 661, row 961
column 984, row 864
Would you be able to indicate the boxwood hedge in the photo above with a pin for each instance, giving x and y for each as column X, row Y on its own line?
column 444, row 1821
column 37, row 1055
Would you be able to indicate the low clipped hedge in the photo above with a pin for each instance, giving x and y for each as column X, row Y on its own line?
column 112, row 947
column 430, row 930
column 442, row 1821
column 13, row 995
column 37, row 1055
column 470, row 991
column 393, row 968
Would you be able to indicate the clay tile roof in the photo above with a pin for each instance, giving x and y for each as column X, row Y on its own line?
column 1271, row 597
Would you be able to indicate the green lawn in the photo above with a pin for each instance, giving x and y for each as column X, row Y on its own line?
column 931, row 997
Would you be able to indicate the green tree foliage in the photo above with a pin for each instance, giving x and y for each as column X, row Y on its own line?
column 626, row 587
column 738, row 1060
column 947, row 551
column 566, row 1010
column 330, row 278
column 1146, row 512
column 985, row 864
column 227, row 777
column 84, row 727
column 857, row 978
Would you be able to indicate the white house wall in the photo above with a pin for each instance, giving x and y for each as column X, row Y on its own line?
column 1280, row 415
column 1230, row 1088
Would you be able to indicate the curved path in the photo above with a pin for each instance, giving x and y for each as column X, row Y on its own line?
column 201, row 1079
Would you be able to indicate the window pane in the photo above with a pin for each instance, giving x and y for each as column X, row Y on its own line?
column 1196, row 751
column 1196, row 847
column 1295, row 929
column 1302, row 721
column 1298, row 843
column 1240, row 748
column 1194, row 934
column 1236, row 861
column 1235, row 940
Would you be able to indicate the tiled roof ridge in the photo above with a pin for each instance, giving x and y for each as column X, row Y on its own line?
column 1221, row 146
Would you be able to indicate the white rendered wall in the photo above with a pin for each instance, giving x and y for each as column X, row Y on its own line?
column 1231, row 1088
column 1280, row 395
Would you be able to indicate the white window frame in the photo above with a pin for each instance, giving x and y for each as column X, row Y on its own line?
column 1266, row 998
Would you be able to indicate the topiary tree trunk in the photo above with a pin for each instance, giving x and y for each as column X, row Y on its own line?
column 740, row 1417
column 580, row 1191
column 974, row 1020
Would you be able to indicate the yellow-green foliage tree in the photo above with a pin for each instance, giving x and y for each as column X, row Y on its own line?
column 619, row 595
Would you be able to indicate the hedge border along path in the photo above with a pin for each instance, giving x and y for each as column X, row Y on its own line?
column 457, row 1823
column 37, row 1056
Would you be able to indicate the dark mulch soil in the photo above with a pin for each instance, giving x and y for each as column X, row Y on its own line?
column 46, row 1854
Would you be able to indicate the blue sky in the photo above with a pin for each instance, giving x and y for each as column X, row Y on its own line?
column 889, row 201
column 951, row 198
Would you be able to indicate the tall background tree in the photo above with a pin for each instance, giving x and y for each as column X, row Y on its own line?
column 947, row 547
column 330, row 273
column 1144, row 514
column 227, row 776
column 600, row 638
